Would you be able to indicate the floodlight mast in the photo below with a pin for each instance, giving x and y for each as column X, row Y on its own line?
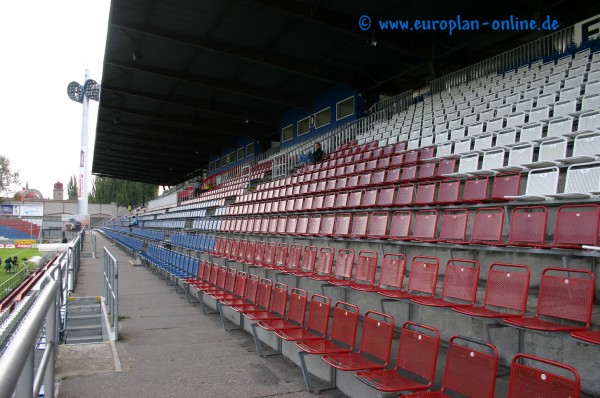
column 77, row 93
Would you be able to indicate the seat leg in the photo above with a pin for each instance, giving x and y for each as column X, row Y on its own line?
column 203, row 306
column 188, row 295
column 258, row 344
column 307, row 377
column 224, row 322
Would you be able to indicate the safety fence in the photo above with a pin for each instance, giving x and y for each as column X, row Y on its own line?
column 111, row 291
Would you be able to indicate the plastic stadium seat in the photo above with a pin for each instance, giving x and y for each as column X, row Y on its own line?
column 589, row 336
column 528, row 226
column 459, row 287
column 422, row 279
column 404, row 195
column 249, row 297
column 564, row 302
column 276, row 308
column 506, row 185
column 470, row 370
column 425, row 193
column 475, row 189
column 360, row 222
column 378, row 224
column 385, row 197
column 448, row 191
column 315, row 328
column 314, row 225
column 342, row 274
column 487, row 225
column 425, row 225
column 262, row 302
column 366, row 269
column 453, row 228
column 576, row 225
column 292, row 329
column 400, row 225
column 415, row 363
column 532, row 376
column 505, row 293
column 341, row 226
column 324, row 264
column 341, row 339
column 374, row 348
column 583, row 181
column 307, row 263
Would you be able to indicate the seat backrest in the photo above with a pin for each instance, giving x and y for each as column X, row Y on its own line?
column 528, row 225
column 302, row 225
column 535, row 376
column 240, row 284
column 378, row 223
column 376, row 338
column 404, row 195
column 309, row 257
column 493, row 159
column 314, row 224
column 423, row 274
column 587, row 144
column 297, row 306
column 577, row 225
column 345, row 324
column 385, row 197
column 460, row 280
column 269, row 254
column 507, row 288
column 344, row 264
column 487, row 225
column 318, row 314
column 342, row 224
column 279, row 297
column 506, row 184
column 468, row 162
column 454, row 225
column 476, row 188
column 470, row 367
column 393, row 266
column 359, row 225
column 366, row 267
column 425, row 224
column 251, row 288
column 583, row 178
column 566, row 294
column 293, row 260
column 324, row 262
column 400, row 224
column 281, row 254
column 418, row 351
column 448, row 191
column 263, row 296
column 553, row 149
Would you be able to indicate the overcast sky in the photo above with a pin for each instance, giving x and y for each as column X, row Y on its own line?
column 46, row 45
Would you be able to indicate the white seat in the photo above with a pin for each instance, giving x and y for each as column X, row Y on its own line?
column 546, row 99
column 457, row 133
column 586, row 148
column 540, row 184
column 590, row 102
column 548, row 153
column 492, row 159
column 586, row 122
column 583, row 180
column 592, row 86
column 443, row 150
column 531, row 132
column 569, row 93
column 564, row 108
column 524, row 105
column 518, row 156
column 463, row 146
column 506, row 137
column 483, row 141
column 494, row 124
column 559, row 126
column 538, row 114
column 515, row 119
column 475, row 129
column 468, row 163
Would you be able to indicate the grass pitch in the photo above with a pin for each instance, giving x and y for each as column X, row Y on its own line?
column 20, row 253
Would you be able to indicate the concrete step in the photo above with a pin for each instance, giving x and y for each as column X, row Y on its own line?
column 85, row 320
column 84, row 330
column 84, row 339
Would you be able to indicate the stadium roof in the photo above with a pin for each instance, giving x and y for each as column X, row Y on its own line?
column 184, row 77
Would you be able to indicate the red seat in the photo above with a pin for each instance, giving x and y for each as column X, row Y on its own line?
column 360, row 221
column 487, row 225
column 391, row 276
column 577, row 225
column 528, row 226
column 344, row 265
column 307, row 264
column 415, row 363
column 532, row 376
column 374, row 349
column 404, row 195
column 342, row 225
column 505, row 184
column 421, row 280
column 276, row 308
column 459, row 287
column 589, row 336
column 400, row 225
column 262, row 302
column 315, row 328
column 378, row 225
column 294, row 317
column 564, row 302
column 324, row 264
column 292, row 263
column 366, row 269
column 385, row 197
column 470, row 370
column 476, row 189
column 453, row 228
column 425, row 225
column 327, row 224
column 425, row 193
column 505, row 293
column 314, row 225
column 448, row 191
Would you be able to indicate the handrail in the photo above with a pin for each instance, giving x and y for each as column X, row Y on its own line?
column 17, row 362
column 111, row 290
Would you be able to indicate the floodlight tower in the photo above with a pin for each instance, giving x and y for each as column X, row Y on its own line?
column 82, row 94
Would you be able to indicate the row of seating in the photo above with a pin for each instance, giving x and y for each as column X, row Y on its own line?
column 273, row 309
column 574, row 226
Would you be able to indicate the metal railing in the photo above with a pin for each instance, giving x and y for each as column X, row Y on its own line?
column 13, row 282
column 111, row 291
column 17, row 373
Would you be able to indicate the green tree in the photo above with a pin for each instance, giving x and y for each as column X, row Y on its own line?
column 7, row 177
column 72, row 188
column 111, row 190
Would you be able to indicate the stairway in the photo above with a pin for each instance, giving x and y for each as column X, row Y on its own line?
column 85, row 322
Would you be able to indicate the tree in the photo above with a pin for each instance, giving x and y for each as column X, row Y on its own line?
column 7, row 177
column 111, row 190
column 72, row 188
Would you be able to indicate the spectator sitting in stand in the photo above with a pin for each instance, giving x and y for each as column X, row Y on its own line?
column 311, row 157
column 133, row 223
